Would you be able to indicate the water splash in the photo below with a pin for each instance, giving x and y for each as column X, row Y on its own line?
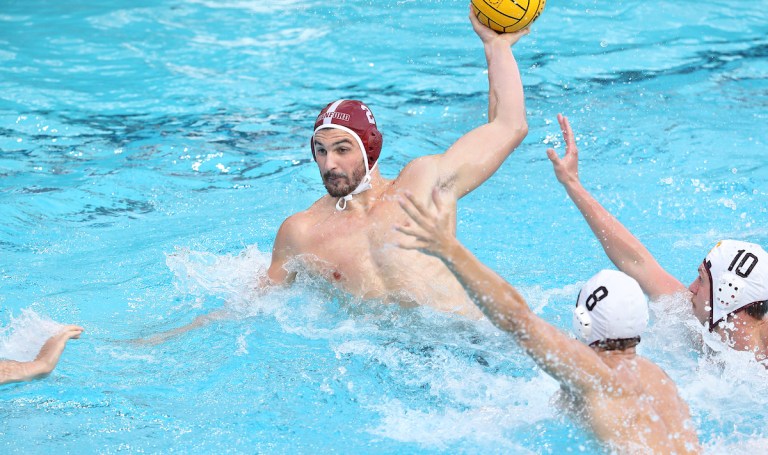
column 725, row 389
column 441, row 381
column 22, row 338
column 233, row 278
column 440, row 372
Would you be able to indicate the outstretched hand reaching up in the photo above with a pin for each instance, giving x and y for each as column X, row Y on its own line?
column 567, row 167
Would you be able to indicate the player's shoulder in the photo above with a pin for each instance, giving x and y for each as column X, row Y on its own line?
column 303, row 220
column 645, row 377
column 653, row 373
column 421, row 169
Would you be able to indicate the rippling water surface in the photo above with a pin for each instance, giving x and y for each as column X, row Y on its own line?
column 149, row 152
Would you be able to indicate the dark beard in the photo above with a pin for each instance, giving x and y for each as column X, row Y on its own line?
column 344, row 186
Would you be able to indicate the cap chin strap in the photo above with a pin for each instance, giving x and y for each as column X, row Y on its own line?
column 364, row 185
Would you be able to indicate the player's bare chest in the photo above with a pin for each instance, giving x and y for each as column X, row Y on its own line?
column 341, row 235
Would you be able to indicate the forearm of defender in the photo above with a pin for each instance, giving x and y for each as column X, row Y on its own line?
column 570, row 362
column 626, row 252
column 496, row 298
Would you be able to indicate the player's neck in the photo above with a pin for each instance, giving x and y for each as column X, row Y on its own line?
column 616, row 353
column 747, row 334
column 363, row 202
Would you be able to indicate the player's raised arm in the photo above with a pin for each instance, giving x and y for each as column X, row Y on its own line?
column 474, row 157
column 624, row 249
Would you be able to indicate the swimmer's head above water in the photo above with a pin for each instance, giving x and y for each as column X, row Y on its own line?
column 611, row 311
column 733, row 277
column 356, row 122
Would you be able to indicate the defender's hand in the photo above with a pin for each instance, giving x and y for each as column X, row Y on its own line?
column 431, row 231
column 567, row 167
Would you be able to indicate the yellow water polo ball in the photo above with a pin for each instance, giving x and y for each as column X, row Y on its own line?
column 508, row 15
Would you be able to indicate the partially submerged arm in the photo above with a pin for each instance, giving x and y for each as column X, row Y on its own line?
column 572, row 363
column 276, row 275
column 282, row 251
column 44, row 363
column 474, row 157
column 200, row 321
column 624, row 249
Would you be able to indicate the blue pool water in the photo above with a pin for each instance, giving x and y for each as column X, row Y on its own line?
column 150, row 150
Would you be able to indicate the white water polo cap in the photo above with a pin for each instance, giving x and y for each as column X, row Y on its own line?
column 738, row 275
column 355, row 118
column 611, row 307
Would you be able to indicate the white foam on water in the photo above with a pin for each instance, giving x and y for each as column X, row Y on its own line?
column 232, row 277
column 468, row 402
column 539, row 298
column 725, row 389
column 125, row 354
column 485, row 425
column 466, row 399
column 745, row 445
column 25, row 334
column 418, row 348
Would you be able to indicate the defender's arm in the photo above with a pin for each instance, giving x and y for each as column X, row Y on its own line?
column 572, row 363
column 624, row 249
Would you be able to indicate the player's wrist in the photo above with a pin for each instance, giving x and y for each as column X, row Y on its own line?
column 571, row 182
column 495, row 44
column 451, row 250
column 575, row 189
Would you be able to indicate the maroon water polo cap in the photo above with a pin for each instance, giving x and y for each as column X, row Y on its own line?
column 355, row 118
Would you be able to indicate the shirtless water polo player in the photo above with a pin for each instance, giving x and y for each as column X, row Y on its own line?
column 730, row 294
column 346, row 236
column 626, row 400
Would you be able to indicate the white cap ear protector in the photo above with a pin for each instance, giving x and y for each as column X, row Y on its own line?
column 582, row 322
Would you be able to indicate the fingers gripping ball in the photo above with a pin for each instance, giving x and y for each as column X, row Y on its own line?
column 507, row 15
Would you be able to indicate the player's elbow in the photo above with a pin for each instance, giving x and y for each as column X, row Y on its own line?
column 516, row 129
column 516, row 134
column 521, row 131
column 520, row 126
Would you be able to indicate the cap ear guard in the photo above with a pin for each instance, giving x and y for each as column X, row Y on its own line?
column 374, row 141
column 729, row 288
column 582, row 322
